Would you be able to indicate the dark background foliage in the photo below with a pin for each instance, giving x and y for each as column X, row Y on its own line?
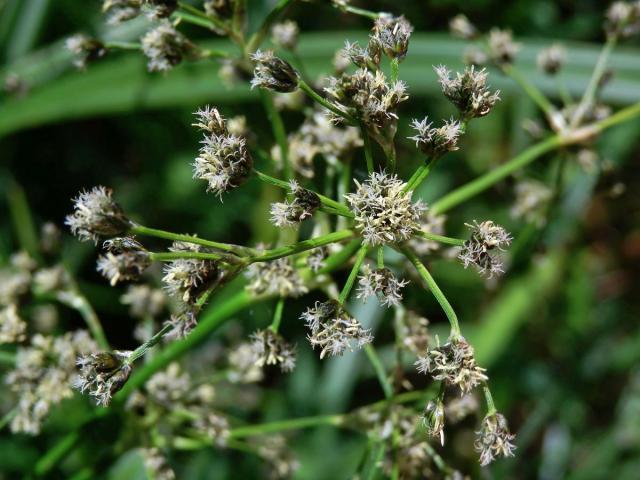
column 559, row 334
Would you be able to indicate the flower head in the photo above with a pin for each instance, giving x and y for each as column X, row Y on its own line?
column 85, row 49
column 315, row 260
column 550, row 60
column 164, row 47
column 531, row 199
column 304, row 204
column 366, row 96
column 390, row 35
column 485, row 238
column 383, row 210
column 381, row 283
column 431, row 223
column 144, row 301
column 494, row 439
column 285, row 34
column 273, row 73
column 333, row 330
column 125, row 259
column 156, row 465
column 12, row 327
column 121, row 10
column 96, row 215
column 502, row 48
column 435, row 142
column 455, row 363
column 269, row 348
column 468, row 91
column 413, row 329
column 275, row 277
column 214, row 426
column 186, row 278
column 461, row 27
column 623, row 19
column 224, row 161
column 103, row 374
column 433, row 419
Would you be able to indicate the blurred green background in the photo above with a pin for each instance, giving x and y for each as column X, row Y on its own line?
column 559, row 333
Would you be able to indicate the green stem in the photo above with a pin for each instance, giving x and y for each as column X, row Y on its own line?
column 589, row 94
column 395, row 70
column 620, row 116
column 178, row 237
column 206, row 22
column 458, row 242
column 344, row 294
column 491, row 408
column 419, row 175
column 50, row 459
column 7, row 417
column 303, row 246
column 487, row 180
column 277, row 316
column 368, row 153
column 170, row 256
column 279, row 132
column 339, row 208
column 123, row 45
column 74, row 299
column 339, row 258
column 257, row 38
column 433, row 286
column 22, row 220
column 153, row 341
column 7, row 358
column 530, row 89
column 381, row 256
column 284, row 425
column 378, row 367
column 359, row 11
column 325, row 103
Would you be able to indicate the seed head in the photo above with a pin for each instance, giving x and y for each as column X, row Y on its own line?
column 461, row 27
column 85, row 50
column 96, row 215
column 435, row 142
column 12, row 328
column 494, row 439
column 304, row 204
column 126, row 259
column 273, row 73
column 366, row 96
column 454, row 362
column 623, row 19
column 164, row 47
column 333, row 330
column 390, row 35
column 285, row 34
column 224, row 161
column 485, row 238
column 276, row 277
column 357, row 55
column 381, row 283
column 502, row 48
column 468, row 91
column 383, row 210
column 550, row 60
column 186, row 278
column 433, row 419
column 269, row 348
column 103, row 374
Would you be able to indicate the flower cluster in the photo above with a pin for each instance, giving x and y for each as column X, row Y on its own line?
column 333, row 330
column 97, row 215
column 433, row 419
column 103, row 374
column 381, row 283
column 303, row 205
column 273, row 73
column 468, row 91
column 186, row 278
column 383, row 209
column 461, row 27
column 390, row 35
column 430, row 223
column 455, row 363
column 164, row 47
column 43, row 376
column 285, row 34
column 85, row 50
column 144, row 301
column 366, row 96
column 435, row 142
column 502, row 48
column 126, row 259
column 494, row 439
column 413, row 330
column 550, row 60
column 223, row 161
column 315, row 260
column 486, row 237
column 269, row 348
column 123, row 10
column 277, row 277
column 531, row 199
column 12, row 327
column 623, row 19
